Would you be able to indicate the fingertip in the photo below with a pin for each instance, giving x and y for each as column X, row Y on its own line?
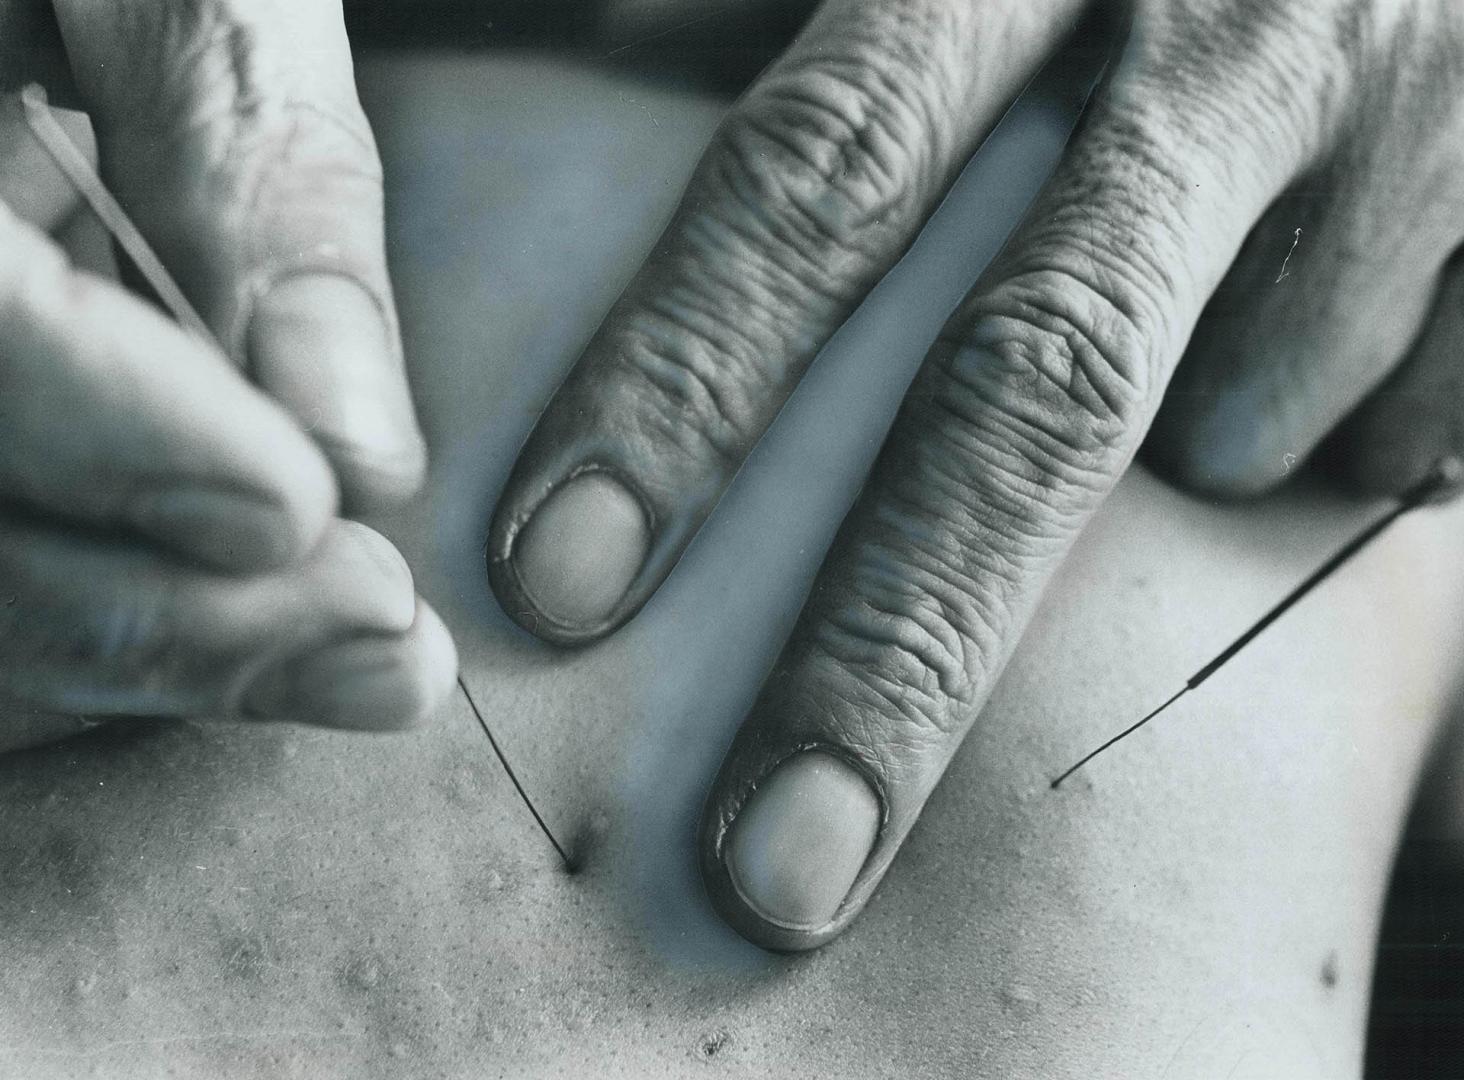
column 782, row 869
column 369, row 577
column 423, row 675
column 435, row 667
column 377, row 683
column 303, row 501
column 1224, row 450
column 568, row 568
column 321, row 344
column 372, row 481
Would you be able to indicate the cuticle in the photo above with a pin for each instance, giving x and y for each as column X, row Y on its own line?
column 833, row 750
column 523, row 517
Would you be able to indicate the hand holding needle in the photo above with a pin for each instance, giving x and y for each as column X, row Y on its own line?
column 176, row 552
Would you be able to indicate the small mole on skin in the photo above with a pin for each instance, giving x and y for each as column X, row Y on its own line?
column 712, row 1044
column 246, row 957
column 1017, row 998
column 462, row 788
column 363, row 973
column 1329, row 970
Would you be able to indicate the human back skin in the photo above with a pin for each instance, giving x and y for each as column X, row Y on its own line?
column 1200, row 902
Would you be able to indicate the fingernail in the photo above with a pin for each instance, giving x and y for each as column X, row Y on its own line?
column 228, row 529
column 801, row 840
column 319, row 343
column 366, row 684
column 581, row 550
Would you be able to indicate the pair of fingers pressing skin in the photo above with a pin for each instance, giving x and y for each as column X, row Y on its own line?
column 1220, row 129
column 168, row 510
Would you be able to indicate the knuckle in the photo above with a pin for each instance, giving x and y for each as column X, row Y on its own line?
column 1015, row 431
column 1054, row 370
column 295, row 150
column 1278, row 82
column 235, row 112
column 208, row 67
column 834, row 152
column 1413, row 59
column 335, row 143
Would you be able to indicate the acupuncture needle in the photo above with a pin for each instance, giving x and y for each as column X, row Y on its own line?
column 569, row 864
column 79, row 172
column 1445, row 475
column 83, row 177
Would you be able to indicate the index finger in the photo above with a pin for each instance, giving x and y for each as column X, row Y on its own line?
column 814, row 185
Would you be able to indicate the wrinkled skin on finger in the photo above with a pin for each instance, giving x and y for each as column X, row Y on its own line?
column 1031, row 404
column 812, row 187
column 1342, row 299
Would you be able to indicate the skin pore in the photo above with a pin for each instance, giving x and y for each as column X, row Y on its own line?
column 233, row 901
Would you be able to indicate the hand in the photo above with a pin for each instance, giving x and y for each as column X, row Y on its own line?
column 168, row 534
column 1294, row 164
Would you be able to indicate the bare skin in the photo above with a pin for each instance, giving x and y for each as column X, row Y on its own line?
column 236, row 902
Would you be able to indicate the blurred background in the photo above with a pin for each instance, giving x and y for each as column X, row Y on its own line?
column 719, row 43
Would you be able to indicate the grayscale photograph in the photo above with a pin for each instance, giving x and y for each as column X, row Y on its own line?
column 779, row 539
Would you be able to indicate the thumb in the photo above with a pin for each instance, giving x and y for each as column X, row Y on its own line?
column 232, row 133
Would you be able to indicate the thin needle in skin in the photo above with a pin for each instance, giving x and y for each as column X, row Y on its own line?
column 1124, row 734
column 524, row 795
column 1444, row 477
column 79, row 172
